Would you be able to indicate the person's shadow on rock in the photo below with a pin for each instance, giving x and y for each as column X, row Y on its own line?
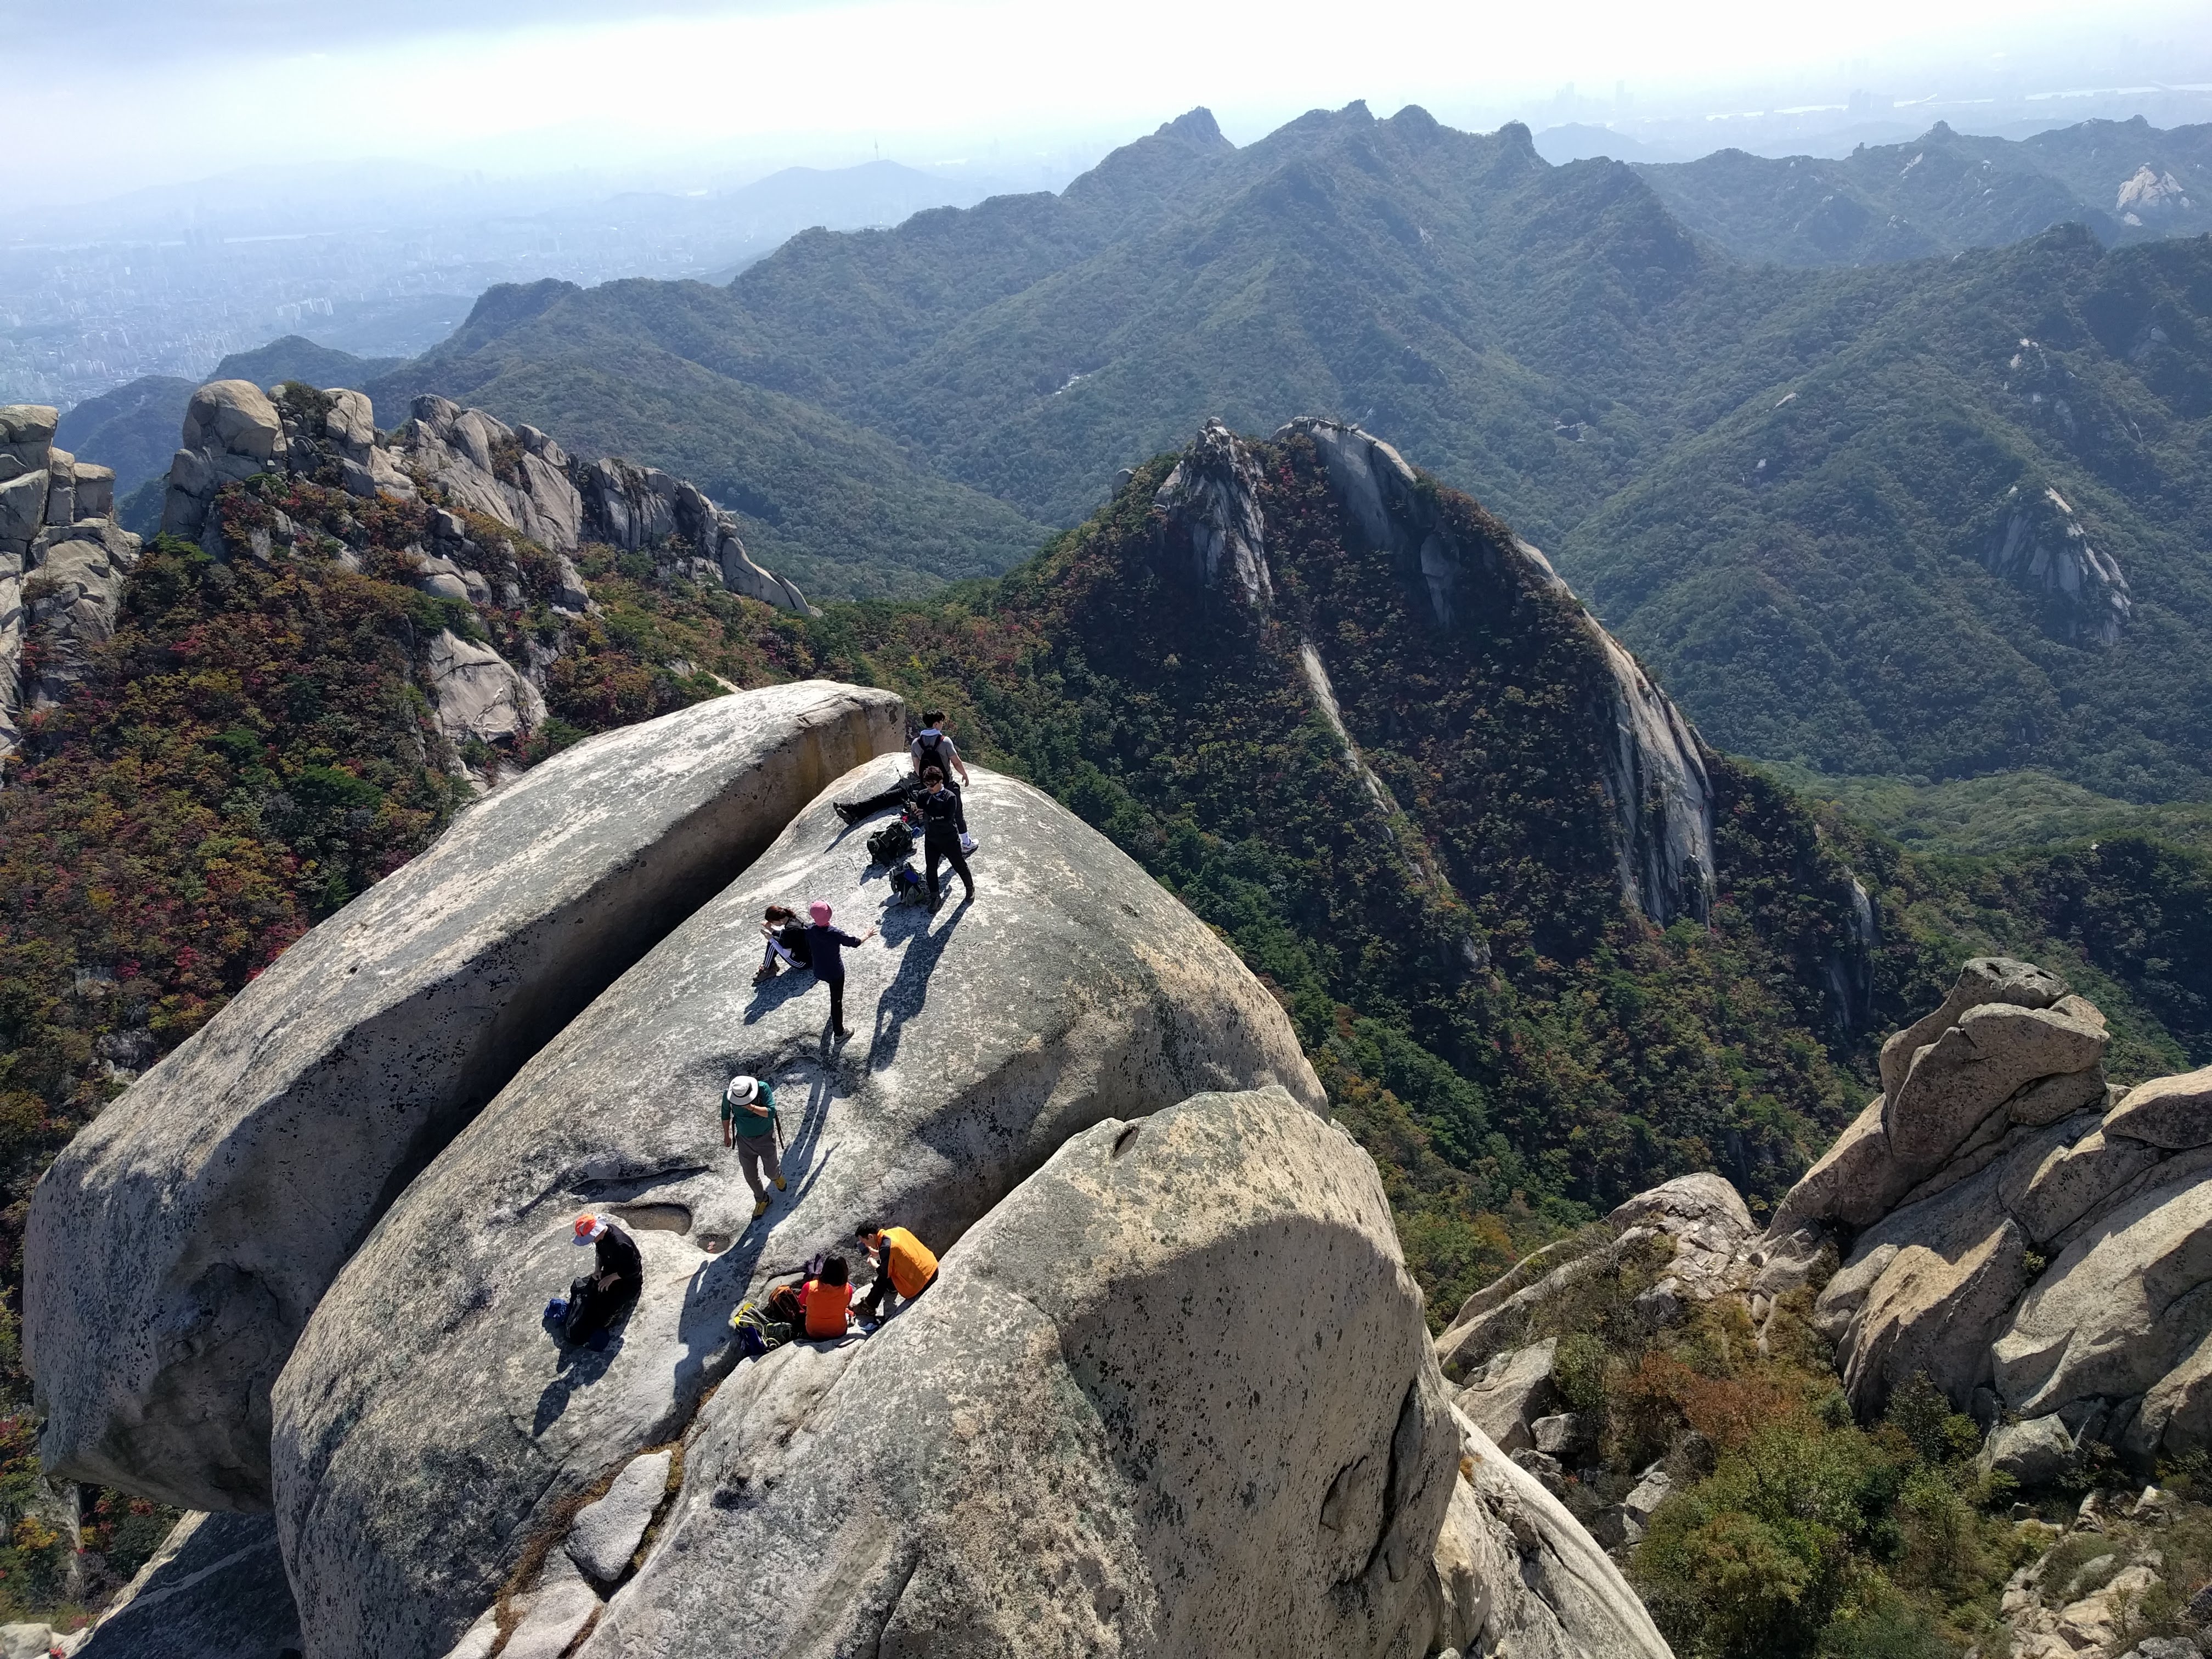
column 581, row 1366
column 902, row 998
column 772, row 993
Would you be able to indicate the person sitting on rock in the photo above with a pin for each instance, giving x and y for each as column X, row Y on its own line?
column 828, row 1300
column 597, row 1299
column 940, row 837
column 749, row 1125
column 904, row 1264
column 825, row 948
column 932, row 746
column 786, row 941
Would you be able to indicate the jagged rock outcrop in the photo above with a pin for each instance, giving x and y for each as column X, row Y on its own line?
column 1075, row 990
column 1102, row 1432
column 2039, row 544
column 2008, row 1222
column 2150, row 193
column 1655, row 780
column 63, row 559
column 635, row 507
column 177, row 1247
column 1212, row 509
column 1688, row 1233
column 517, row 477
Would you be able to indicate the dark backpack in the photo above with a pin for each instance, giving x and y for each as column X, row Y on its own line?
column 907, row 883
column 932, row 754
column 892, row 844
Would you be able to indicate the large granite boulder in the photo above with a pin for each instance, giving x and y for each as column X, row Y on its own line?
column 176, row 1247
column 1927, row 1289
column 232, row 431
column 1172, row 1395
column 2006, row 1220
column 2123, row 1306
column 1074, row 990
column 477, row 695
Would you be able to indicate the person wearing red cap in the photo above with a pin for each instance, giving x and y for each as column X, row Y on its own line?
column 823, row 944
column 597, row 1299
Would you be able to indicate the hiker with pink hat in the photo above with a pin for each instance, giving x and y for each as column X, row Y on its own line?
column 824, row 945
column 597, row 1299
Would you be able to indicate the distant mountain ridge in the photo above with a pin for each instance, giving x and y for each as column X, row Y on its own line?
column 918, row 403
column 1945, row 191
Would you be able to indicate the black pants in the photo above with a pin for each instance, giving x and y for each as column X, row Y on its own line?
column 872, row 1305
column 947, row 849
column 896, row 796
column 592, row 1308
column 836, row 1003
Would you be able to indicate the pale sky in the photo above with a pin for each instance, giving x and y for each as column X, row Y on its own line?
column 129, row 96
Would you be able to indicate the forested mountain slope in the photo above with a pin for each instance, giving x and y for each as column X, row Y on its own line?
column 1902, row 587
column 1544, row 946
column 1945, row 191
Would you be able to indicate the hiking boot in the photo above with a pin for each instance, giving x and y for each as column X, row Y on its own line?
column 764, row 976
column 779, row 1186
column 760, row 1209
column 850, row 814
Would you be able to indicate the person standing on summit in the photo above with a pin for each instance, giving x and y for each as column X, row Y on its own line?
column 941, row 834
column 825, row 945
column 932, row 748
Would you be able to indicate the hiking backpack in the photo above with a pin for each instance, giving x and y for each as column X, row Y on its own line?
column 892, row 845
column 908, row 884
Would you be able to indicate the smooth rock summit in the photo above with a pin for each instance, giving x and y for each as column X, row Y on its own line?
column 1074, row 991
column 176, row 1247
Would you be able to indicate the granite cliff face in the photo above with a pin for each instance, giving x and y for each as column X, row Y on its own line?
column 1653, row 770
column 63, row 559
column 1172, row 1393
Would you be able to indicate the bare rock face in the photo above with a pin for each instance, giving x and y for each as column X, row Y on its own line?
column 637, row 506
column 1517, row 1574
column 1212, row 510
column 518, row 476
column 1691, row 1231
column 176, row 1247
column 2003, row 1223
column 63, row 560
column 2039, row 544
column 477, row 695
column 1075, row 990
column 1101, row 1432
column 1656, row 779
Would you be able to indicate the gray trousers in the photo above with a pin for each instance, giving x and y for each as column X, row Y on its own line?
column 753, row 1152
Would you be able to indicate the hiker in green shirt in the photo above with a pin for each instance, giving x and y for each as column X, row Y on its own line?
column 749, row 1124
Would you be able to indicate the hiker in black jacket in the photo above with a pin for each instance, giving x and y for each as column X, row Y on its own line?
column 826, row 946
column 597, row 1299
column 940, row 835
column 932, row 746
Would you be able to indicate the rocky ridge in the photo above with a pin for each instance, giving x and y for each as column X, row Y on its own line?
column 485, row 484
column 1655, row 778
column 2000, row 1222
column 63, row 560
column 1036, row 1087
